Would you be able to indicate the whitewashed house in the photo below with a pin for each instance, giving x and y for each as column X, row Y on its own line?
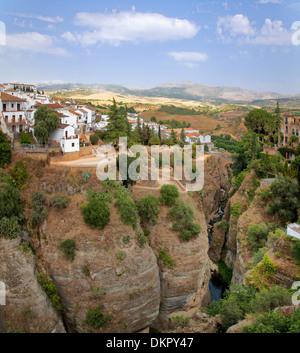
column 65, row 135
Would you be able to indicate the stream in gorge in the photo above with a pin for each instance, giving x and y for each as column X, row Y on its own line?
column 217, row 286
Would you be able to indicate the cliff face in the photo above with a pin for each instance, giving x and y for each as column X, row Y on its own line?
column 123, row 277
column 27, row 306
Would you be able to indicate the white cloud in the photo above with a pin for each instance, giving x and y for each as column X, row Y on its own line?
column 189, row 56
column 35, row 43
column 130, row 26
column 273, row 33
column 240, row 29
column 235, row 26
column 49, row 19
column 270, row 1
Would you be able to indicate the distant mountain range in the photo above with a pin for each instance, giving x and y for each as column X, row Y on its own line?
column 184, row 90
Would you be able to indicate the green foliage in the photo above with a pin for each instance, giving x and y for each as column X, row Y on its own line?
column 9, row 227
column 10, row 203
column 104, row 196
column 96, row 214
column 261, row 122
column 5, row 150
column 39, row 212
column 25, row 139
column 235, row 304
column 96, row 319
column 269, row 323
column 154, row 141
column 169, row 194
column 284, row 199
column 225, row 272
column 86, row 176
column 260, row 276
column 20, row 174
column 258, row 257
column 94, row 139
column 68, row 247
column 142, row 240
column 236, row 209
column 86, row 270
column 121, row 255
column 126, row 177
column 296, row 251
column 257, row 234
column 46, row 121
column 223, row 225
column 51, row 291
column 183, row 216
column 270, row 299
column 59, row 201
column 167, row 260
column 181, row 321
column 239, row 179
column 148, row 208
column 128, row 211
column 226, row 142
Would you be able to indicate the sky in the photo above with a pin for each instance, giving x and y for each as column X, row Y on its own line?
column 252, row 44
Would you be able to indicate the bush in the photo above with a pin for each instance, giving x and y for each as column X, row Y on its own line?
column 270, row 299
column 142, row 240
column 51, row 291
column 96, row 214
column 257, row 234
column 128, row 211
column 296, row 251
column 38, row 198
column 148, row 208
column 96, row 319
column 25, row 139
column 184, row 217
column 94, row 139
column 169, row 194
column 5, row 150
column 269, row 323
column 10, row 203
column 19, row 173
column 38, row 215
column 59, row 201
column 167, row 260
column 68, row 247
column 9, row 227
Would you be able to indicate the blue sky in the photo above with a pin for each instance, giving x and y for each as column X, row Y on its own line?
column 139, row 43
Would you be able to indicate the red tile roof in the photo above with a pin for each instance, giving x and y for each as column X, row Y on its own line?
column 8, row 97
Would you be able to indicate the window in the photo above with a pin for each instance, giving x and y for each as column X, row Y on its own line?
column 297, row 132
column 287, row 129
column 293, row 131
column 286, row 120
column 73, row 144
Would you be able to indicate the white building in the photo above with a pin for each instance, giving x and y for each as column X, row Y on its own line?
column 293, row 230
column 65, row 135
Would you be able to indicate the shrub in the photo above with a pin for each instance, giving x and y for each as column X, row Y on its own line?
column 96, row 319
column 258, row 257
column 10, row 203
column 142, row 240
column 5, row 150
column 258, row 234
column 269, row 323
column 20, row 174
column 68, row 247
column 38, row 198
column 236, row 209
column 59, row 201
column 128, row 211
column 184, row 217
column 96, row 214
column 148, row 208
column 25, row 139
column 9, row 227
column 181, row 321
column 94, row 139
column 121, row 256
column 38, row 215
column 169, row 194
column 100, row 196
column 86, row 270
column 270, row 299
column 296, row 251
column 167, row 260
column 51, row 291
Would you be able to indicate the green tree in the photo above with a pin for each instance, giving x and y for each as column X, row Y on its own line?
column 260, row 121
column 169, row 194
column 5, row 149
column 118, row 126
column 148, row 208
column 96, row 213
column 174, row 137
column 154, row 141
column 68, row 247
column 46, row 121
column 25, row 139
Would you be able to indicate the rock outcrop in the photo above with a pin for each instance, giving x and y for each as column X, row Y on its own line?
column 28, row 308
